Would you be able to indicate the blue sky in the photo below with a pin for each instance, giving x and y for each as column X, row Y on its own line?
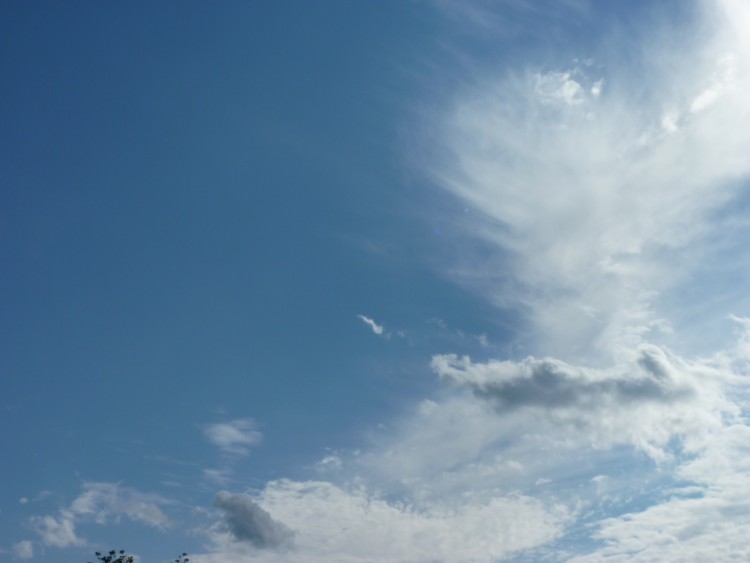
column 375, row 282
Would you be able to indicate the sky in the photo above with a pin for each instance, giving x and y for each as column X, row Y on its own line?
column 392, row 282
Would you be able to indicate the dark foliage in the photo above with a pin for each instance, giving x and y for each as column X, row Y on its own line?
column 122, row 557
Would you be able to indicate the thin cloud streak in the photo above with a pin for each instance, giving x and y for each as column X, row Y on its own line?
column 376, row 328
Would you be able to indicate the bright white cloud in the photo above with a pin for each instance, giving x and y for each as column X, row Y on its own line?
column 594, row 197
column 707, row 522
column 605, row 194
column 341, row 526
column 503, row 465
column 234, row 437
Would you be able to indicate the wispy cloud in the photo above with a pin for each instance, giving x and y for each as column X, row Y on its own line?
column 23, row 550
column 57, row 531
column 593, row 196
column 234, row 437
column 100, row 503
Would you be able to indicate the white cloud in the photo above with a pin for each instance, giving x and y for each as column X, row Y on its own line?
column 23, row 550
column 517, row 456
column 234, row 437
column 376, row 328
column 646, row 402
column 100, row 503
column 559, row 87
column 596, row 208
column 599, row 191
column 591, row 203
column 336, row 525
column 57, row 531
column 707, row 522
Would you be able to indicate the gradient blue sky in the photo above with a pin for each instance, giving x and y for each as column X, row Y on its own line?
column 375, row 281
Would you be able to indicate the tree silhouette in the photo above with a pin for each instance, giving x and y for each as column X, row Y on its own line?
column 122, row 557
column 114, row 557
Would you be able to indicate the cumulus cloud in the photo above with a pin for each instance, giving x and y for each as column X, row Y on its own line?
column 234, row 437
column 520, row 455
column 336, row 526
column 100, row 503
column 376, row 328
column 247, row 522
column 648, row 401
